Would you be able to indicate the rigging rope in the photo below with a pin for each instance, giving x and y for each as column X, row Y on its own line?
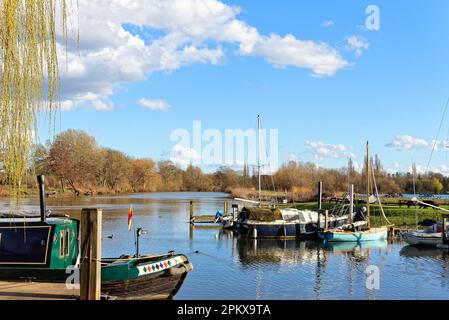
column 378, row 197
column 438, row 134
column 414, row 193
column 269, row 159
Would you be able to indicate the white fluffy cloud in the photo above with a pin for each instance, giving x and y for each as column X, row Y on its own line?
column 155, row 105
column 321, row 58
column 183, row 32
column 396, row 167
column 406, row 142
column 443, row 169
column 358, row 44
column 421, row 169
column 322, row 150
column 182, row 156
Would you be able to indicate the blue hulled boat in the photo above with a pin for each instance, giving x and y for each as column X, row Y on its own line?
column 360, row 231
column 372, row 234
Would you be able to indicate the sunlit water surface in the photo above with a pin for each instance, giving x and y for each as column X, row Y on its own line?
column 227, row 267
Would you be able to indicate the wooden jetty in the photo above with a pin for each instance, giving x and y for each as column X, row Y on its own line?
column 37, row 291
column 205, row 219
column 395, row 232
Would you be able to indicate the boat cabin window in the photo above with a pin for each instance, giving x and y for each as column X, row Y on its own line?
column 67, row 243
column 64, row 243
column 19, row 245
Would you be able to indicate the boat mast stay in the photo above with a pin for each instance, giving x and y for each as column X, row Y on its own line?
column 379, row 201
column 258, row 158
column 414, row 192
column 368, row 184
column 416, row 200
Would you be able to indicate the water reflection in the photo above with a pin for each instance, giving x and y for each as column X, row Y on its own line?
column 355, row 248
column 280, row 252
column 428, row 253
column 326, row 267
column 228, row 267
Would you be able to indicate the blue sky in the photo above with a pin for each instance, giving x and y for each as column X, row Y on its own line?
column 393, row 92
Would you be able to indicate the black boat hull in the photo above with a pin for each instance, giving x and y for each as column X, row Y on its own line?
column 153, row 287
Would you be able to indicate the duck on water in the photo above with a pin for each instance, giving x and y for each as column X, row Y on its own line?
column 43, row 249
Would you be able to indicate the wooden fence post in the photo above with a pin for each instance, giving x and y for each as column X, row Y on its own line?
column 90, row 273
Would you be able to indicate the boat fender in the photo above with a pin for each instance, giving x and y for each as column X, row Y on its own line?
column 180, row 270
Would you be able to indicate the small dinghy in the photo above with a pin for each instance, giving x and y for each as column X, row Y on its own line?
column 436, row 236
column 430, row 237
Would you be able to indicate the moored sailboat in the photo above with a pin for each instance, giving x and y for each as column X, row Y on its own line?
column 365, row 232
column 272, row 222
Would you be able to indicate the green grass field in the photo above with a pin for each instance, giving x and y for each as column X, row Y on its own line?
column 399, row 216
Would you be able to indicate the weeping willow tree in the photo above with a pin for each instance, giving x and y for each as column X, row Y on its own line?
column 29, row 77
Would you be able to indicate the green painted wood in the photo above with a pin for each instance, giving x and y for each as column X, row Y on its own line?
column 127, row 270
column 61, row 253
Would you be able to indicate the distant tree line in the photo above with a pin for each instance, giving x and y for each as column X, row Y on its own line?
column 74, row 163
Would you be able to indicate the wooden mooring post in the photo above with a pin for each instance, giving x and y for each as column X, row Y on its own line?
column 445, row 229
column 326, row 220
column 320, row 195
column 192, row 212
column 90, row 273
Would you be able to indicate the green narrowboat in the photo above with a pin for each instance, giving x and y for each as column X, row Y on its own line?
column 31, row 249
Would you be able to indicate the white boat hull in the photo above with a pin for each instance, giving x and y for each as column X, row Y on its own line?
column 423, row 239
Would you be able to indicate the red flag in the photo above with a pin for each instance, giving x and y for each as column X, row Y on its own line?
column 130, row 218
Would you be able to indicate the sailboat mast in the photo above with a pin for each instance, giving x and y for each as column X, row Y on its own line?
column 368, row 184
column 258, row 158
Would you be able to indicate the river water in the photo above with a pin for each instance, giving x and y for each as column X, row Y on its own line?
column 227, row 267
